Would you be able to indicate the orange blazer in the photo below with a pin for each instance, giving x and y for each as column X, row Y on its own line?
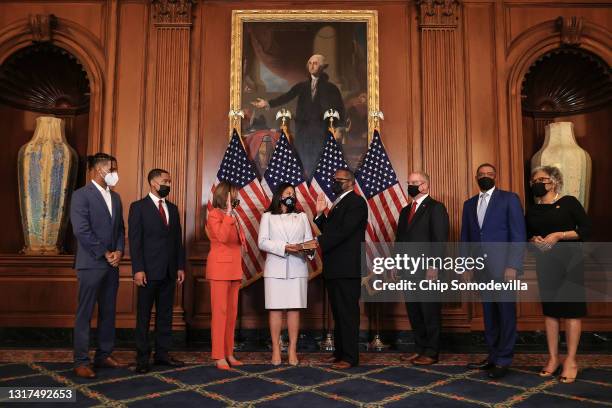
column 224, row 259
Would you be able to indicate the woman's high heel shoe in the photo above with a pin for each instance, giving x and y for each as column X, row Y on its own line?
column 568, row 380
column 235, row 363
column 543, row 373
column 223, row 366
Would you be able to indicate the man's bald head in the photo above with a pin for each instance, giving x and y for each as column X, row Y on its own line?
column 316, row 64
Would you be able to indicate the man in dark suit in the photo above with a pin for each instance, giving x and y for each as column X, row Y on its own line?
column 489, row 218
column 314, row 96
column 96, row 215
column 158, row 261
column 342, row 232
column 424, row 220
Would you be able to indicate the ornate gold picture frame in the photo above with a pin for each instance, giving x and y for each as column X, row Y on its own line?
column 269, row 54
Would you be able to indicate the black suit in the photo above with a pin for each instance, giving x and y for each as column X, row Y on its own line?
column 429, row 224
column 342, row 233
column 310, row 128
column 157, row 250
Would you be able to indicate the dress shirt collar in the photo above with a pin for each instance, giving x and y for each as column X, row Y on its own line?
column 156, row 199
column 341, row 196
column 489, row 193
column 420, row 200
column 100, row 188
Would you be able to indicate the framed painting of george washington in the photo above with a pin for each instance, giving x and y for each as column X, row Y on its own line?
column 303, row 67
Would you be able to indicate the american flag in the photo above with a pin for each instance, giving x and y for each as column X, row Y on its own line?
column 284, row 167
column 238, row 170
column 377, row 182
column 331, row 159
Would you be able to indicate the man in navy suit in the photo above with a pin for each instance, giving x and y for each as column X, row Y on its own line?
column 158, row 261
column 96, row 215
column 496, row 216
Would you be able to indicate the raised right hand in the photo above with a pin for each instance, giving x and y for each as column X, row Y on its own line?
column 228, row 203
column 321, row 203
column 140, row 279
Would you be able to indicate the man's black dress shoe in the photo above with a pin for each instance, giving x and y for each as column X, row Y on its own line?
column 169, row 361
column 481, row 365
column 142, row 368
column 498, row 371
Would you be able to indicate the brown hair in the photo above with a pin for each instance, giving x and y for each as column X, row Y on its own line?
column 220, row 194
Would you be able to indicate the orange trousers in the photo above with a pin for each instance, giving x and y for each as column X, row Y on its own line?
column 224, row 308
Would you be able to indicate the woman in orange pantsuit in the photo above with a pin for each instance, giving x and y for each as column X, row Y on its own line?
column 224, row 273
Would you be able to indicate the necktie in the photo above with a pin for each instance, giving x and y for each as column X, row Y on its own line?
column 412, row 211
column 162, row 213
column 482, row 208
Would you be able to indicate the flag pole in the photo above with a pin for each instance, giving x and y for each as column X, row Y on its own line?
column 235, row 115
column 327, row 339
column 375, row 309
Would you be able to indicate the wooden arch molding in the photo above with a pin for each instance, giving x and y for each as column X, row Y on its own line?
column 80, row 43
column 522, row 53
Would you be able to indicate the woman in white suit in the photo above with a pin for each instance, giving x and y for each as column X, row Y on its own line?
column 282, row 228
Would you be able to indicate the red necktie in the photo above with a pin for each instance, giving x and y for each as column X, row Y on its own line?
column 412, row 211
column 162, row 213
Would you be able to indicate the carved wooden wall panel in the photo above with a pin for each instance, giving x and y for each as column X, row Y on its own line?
column 160, row 75
column 444, row 141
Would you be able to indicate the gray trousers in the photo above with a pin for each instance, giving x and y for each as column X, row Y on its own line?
column 95, row 285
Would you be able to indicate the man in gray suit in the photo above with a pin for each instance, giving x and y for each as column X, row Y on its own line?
column 96, row 215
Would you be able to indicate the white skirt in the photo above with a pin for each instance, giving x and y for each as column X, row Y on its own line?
column 286, row 293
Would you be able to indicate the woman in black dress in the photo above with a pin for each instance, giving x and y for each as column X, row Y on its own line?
column 555, row 219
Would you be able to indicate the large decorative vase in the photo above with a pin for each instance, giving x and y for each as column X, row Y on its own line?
column 561, row 150
column 47, row 168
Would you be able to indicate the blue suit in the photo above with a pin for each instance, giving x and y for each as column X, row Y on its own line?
column 96, row 233
column 503, row 222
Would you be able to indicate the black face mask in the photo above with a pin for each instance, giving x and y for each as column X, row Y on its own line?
column 486, row 183
column 163, row 190
column 539, row 189
column 289, row 202
column 337, row 187
column 235, row 202
column 413, row 191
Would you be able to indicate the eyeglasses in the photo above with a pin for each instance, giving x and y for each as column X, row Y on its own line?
column 415, row 183
column 340, row 179
column 544, row 180
column 487, row 174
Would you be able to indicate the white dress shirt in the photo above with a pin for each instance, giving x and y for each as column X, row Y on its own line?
column 487, row 194
column 418, row 202
column 313, row 85
column 164, row 204
column 340, row 197
column 106, row 194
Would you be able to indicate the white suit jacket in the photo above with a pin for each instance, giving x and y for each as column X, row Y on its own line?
column 276, row 231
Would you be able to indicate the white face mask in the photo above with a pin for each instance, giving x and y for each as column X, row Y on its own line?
column 111, row 179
